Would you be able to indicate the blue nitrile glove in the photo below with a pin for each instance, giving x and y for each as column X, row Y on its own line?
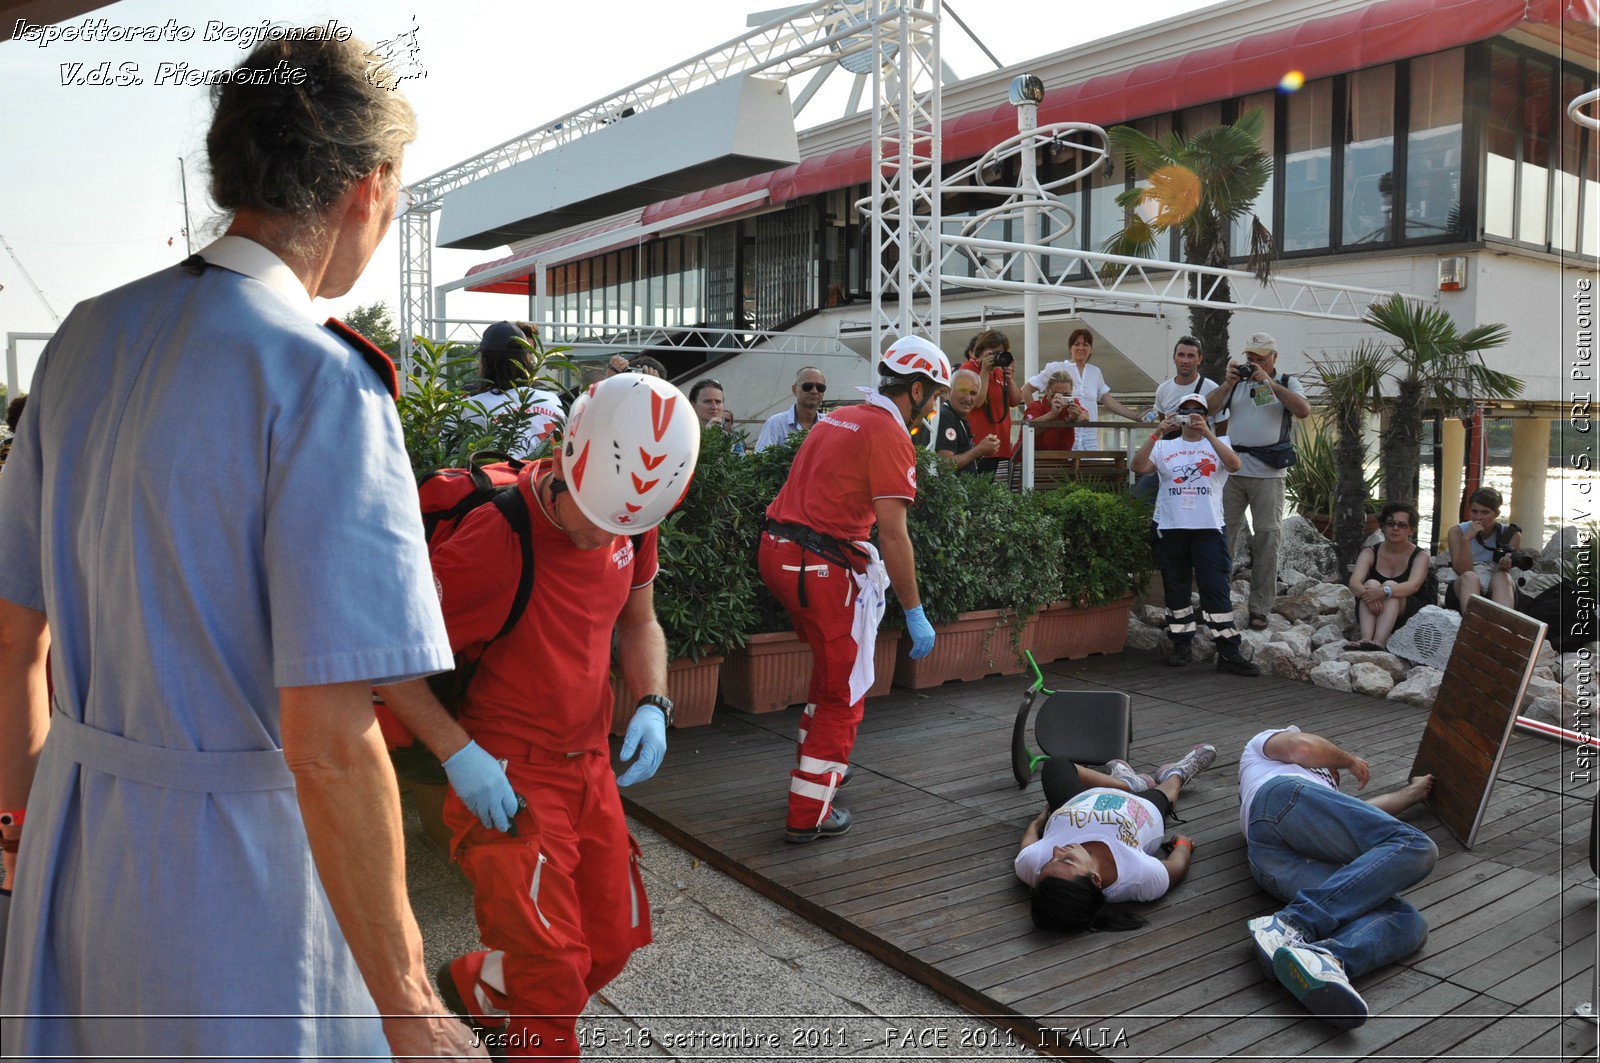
column 921, row 632
column 480, row 781
column 647, row 733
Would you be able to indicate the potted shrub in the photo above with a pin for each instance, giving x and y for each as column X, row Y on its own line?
column 705, row 594
column 771, row 670
column 987, row 560
column 1105, row 558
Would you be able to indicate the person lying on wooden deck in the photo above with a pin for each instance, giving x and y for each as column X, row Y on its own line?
column 1097, row 842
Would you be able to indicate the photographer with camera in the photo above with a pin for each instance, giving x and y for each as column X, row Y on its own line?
column 1262, row 405
column 989, row 355
column 1483, row 552
column 1189, row 546
column 1054, row 413
column 1091, row 388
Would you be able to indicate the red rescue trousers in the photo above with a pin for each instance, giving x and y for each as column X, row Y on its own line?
column 828, row 728
column 561, row 904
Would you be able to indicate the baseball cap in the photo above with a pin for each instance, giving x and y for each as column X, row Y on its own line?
column 502, row 336
column 1192, row 400
column 1261, row 343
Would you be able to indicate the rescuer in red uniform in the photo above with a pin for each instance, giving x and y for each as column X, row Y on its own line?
column 855, row 469
column 556, row 884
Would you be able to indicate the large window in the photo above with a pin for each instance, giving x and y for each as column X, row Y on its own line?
column 1105, row 217
column 1433, row 146
column 1156, row 128
column 1368, row 200
column 1569, row 169
column 1308, row 167
column 1537, row 107
column 1500, row 142
column 1239, row 239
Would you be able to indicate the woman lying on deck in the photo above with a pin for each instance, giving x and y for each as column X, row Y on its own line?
column 1100, row 843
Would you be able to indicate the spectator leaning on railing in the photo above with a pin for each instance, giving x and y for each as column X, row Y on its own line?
column 1261, row 406
column 953, row 436
column 1091, row 388
column 1054, row 413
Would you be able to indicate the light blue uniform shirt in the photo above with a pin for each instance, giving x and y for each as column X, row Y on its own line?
column 209, row 498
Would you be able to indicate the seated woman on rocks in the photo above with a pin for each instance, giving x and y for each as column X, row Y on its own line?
column 1388, row 578
column 1097, row 842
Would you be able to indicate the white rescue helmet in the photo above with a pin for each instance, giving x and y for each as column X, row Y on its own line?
column 915, row 356
column 629, row 452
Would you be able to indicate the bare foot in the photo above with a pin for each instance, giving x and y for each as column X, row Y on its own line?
column 1420, row 787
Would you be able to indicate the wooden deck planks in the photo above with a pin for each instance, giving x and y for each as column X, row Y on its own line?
column 924, row 880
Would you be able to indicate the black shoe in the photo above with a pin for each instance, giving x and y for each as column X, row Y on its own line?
column 1182, row 653
column 837, row 823
column 1238, row 664
column 451, row 996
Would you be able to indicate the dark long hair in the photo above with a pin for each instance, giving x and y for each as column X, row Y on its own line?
column 1069, row 905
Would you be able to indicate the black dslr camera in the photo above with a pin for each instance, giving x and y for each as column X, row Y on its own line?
column 1003, row 359
column 1244, row 370
column 1519, row 558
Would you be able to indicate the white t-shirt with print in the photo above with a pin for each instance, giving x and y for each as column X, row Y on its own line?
column 1088, row 387
column 543, row 406
column 1255, row 768
column 1130, row 826
column 1192, row 478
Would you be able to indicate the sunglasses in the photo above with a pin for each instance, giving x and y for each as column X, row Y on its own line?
column 1402, row 525
column 818, row 388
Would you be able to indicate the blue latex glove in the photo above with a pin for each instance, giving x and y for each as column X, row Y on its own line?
column 480, row 781
column 921, row 632
column 647, row 733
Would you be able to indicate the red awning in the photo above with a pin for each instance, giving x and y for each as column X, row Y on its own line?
column 1370, row 36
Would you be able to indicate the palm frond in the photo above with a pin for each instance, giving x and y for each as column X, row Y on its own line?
column 1262, row 250
column 1136, row 148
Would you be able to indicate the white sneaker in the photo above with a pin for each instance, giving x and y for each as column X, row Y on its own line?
column 1317, row 979
column 1123, row 772
column 1268, row 934
column 1189, row 765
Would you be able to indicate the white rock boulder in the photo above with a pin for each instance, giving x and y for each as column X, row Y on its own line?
column 1420, row 687
column 1387, row 661
column 1371, row 680
column 1331, row 675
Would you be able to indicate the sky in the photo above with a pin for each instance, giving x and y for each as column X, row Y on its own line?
column 90, row 194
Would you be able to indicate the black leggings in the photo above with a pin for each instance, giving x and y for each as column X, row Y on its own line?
column 1062, row 784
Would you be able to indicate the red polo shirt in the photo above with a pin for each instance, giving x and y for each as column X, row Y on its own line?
column 854, row 455
column 548, row 681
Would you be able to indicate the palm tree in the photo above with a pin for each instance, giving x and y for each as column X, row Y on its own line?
column 1442, row 369
column 1352, row 387
column 1199, row 185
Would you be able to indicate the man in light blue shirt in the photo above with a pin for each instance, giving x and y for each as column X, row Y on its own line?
column 808, row 389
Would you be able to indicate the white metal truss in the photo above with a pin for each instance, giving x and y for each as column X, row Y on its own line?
column 907, row 155
column 599, row 337
column 416, row 280
column 1147, row 280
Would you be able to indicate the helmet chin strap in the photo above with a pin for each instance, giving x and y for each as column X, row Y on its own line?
column 917, row 406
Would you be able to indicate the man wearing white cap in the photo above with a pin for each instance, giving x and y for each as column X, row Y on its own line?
column 1260, row 404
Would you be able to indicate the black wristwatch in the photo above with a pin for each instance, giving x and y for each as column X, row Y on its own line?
column 660, row 701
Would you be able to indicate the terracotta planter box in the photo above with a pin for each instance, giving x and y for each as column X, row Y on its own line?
column 1066, row 633
column 883, row 662
column 975, row 645
column 768, row 674
column 692, row 686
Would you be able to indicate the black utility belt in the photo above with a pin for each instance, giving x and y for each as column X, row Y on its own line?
column 810, row 540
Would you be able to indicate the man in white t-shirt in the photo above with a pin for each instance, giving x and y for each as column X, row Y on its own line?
column 1185, row 381
column 1338, row 861
column 1190, row 546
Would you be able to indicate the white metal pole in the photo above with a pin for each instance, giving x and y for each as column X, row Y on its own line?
column 11, row 368
column 1026, row 92
column 541, row 293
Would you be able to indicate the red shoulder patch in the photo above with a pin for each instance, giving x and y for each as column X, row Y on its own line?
column 370, row 353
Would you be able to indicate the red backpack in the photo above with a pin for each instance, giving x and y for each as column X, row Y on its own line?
column 446, row 497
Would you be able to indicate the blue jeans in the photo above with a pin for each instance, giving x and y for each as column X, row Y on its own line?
column 1339, row 863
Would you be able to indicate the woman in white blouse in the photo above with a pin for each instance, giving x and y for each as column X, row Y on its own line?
column 1091, row 387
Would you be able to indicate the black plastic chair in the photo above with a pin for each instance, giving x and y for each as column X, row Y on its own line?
column 1083, row 726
